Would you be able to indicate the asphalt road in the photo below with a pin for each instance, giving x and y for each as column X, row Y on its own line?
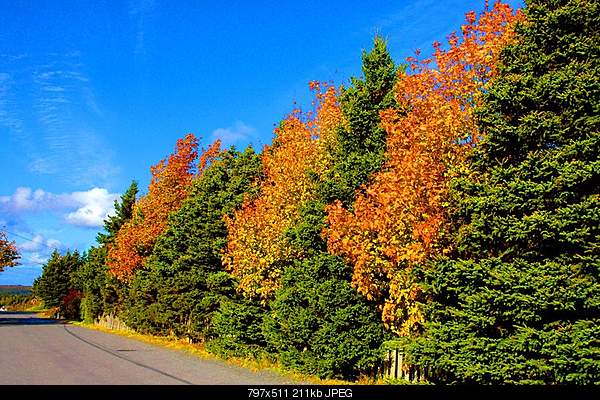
column 41, row 351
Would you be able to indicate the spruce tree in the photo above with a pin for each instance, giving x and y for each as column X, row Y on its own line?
column 361, row 142
column 57, row 278
column 519, row 300
column 102, row 292
column 318, row 323
column 123, row 213
column 183, row 282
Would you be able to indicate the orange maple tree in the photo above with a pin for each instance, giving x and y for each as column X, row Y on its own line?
column 9, row 255
column 257, row 249
column 397, row 221
column 169, row 186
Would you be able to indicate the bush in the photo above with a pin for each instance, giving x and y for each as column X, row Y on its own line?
column 320, row 325
column 236, row 330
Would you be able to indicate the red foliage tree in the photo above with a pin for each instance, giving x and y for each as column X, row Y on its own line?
column 9, row 256
column 171, row 180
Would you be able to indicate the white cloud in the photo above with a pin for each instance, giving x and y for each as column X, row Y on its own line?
column 53, row 243
column 88, row 209
column 233, row 134
column 39, row 243
column 97, row 205
column 38, row 249
column 34, row 244
column 38, row 258
column 26, row 199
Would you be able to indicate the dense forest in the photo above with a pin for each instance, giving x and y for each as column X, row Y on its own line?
column 447, row 206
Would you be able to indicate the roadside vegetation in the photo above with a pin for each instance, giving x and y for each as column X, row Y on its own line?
column 19, row 298
column 448, row 206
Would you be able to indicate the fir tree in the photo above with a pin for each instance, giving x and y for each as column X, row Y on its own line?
column 519, row 301
column 361, row 141
column 318, row 322
column 102, row 292
column 123, row 213
column 183, row 282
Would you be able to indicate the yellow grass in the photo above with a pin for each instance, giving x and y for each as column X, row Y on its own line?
column 198, row 350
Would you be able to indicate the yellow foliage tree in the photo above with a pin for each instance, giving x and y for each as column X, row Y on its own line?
column 257, row 249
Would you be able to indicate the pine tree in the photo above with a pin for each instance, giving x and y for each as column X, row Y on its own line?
column 361, row 140
column 123, row 213
column 519, row 301
column 318, row 322
column 183, row 283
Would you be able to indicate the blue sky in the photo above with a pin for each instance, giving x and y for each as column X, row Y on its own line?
column 94, row 92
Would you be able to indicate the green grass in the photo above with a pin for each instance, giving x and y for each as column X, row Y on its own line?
column 38, row 308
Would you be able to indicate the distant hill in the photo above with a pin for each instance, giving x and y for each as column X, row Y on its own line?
column 14, row 289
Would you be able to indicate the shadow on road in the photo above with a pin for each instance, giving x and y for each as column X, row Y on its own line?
column 25, row 318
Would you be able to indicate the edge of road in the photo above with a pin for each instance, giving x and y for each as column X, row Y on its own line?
column 198, row 350
column 115, row 354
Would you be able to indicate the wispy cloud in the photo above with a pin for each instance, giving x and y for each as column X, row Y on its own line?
column 54, row 118
column 239, row 133
column 141, row 13
column 35, row 249
column 86, row 208
column 39, row 243
column 90, row 101
column 38, row 249
column 34, row 244
column 67, row 110
column 54, row 109
column 38, row 258
column 14, row 57
column 8, row 114
column 410, row 28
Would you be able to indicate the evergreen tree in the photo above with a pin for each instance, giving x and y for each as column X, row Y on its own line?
column 318, row 322
column 320, row 325
column 92, row 279
column 236, row 327
column 183, row 282
column 123, row 213
column 361, row 141
column 519, row 301
column 102, row 293
column 57, row 278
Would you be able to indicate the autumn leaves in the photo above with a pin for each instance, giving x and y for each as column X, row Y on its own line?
column 397, row 219
column 171, row 180
column 257, row 248
column 9, row 255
